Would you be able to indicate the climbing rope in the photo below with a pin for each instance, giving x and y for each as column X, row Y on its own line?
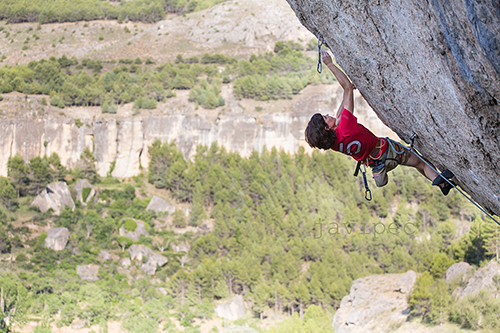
column 412, row 138
column 319, row 67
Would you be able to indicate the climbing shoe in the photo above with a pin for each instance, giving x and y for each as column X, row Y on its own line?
column 447, row 174
column 446, row 188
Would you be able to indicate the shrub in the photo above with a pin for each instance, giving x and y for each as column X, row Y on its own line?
column 85, row 193
column 78, row 123
column 179, row 219
column 130, row 225
column 57, row 101
column 124, row 242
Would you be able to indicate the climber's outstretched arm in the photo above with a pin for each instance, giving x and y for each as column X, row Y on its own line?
column 345, row 83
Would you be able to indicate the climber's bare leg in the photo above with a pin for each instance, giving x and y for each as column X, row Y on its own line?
column 421, row 166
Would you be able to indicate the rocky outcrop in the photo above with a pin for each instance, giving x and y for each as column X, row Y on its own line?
column 105, row 255
column 121, row 145
column 429, row 67
column 153, row 260
column 159, row 205
column 486, row 278
column 181, row 247
column 55, row 196
column 125, row 262
column 458, row 271
column 80, row 185
column 136, row 234
column 371, row 298
column 231, row 310
column 88, row 272
column 57, row 238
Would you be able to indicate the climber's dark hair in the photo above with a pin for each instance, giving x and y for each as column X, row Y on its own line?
column 317, row 136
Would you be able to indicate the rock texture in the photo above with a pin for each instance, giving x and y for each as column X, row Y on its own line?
column 80, row 185
column 231, row 310
column 125, row 141
column 153, row 260
column 371, row 298
column 159, row 205
column 55, row 196
column 134, row 235
column 486, row 278
column 431, row 67
column 181, row 247
column 88, row 272
column 57, row 238
column 459, row 270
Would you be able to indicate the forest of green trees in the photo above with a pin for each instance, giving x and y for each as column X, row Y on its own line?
column 274, row 241
column 58, row 11
column 68, row 82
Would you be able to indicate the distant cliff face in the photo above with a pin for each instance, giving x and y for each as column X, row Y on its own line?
column 125, row 141
column 431, row 67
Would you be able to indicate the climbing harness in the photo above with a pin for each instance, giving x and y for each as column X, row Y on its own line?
column 368, row 192
column 319, row 67
column 412, row 139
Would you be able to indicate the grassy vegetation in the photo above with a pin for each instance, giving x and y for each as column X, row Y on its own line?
column 68, row 82
column 57, row 11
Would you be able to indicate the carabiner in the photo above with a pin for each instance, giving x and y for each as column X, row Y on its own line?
column 368, row 195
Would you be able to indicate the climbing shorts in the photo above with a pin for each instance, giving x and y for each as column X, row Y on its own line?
column 394, row 155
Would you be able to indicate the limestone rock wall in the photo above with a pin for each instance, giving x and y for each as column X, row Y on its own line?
column 432, row 67
column 121, row 145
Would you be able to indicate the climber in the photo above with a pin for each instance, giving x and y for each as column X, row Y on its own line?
column 343, row 133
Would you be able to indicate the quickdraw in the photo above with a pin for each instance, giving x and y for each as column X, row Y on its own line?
column 319, row 67
column 368, row 193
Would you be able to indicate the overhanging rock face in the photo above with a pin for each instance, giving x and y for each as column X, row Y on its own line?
column 432, row 67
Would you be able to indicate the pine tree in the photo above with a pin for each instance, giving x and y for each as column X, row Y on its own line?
column 492, row 240
column 19, row 174
column 420, row 298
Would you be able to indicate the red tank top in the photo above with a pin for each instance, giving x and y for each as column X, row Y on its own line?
column 354, row 139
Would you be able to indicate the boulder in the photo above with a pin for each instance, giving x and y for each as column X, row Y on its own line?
column 406, row 282
column 134, row 235
column 57, row 238
column 374, row 297
column 55, row 196
column 159, row 205
column 105, row 255
column 153, row 260
column 80, row 185
column 88, row 272
column 458, row 270
column 137, row 251
column 483, row 279
column 125, row 262
column 231, row 310
column 181, row 247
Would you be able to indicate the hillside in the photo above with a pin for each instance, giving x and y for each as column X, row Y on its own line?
column 233, row 28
